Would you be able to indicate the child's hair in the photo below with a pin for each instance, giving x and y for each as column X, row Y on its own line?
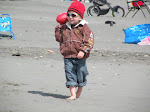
column 78, row 8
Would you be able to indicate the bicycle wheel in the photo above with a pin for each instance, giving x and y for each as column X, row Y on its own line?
column 94, row 10
column 118, row 12
column 88, row 11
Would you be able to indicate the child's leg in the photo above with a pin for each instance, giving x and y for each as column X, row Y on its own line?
column 73, row 93
column 78, row 93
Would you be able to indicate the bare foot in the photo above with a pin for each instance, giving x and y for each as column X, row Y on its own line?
column 78, row 94
column 71, row 98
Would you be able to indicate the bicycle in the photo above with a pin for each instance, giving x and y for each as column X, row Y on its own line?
column 95, row 9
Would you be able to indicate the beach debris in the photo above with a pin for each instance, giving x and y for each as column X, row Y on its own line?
column 50, row 51
column 16, row 54
column 146, row 56
column 114, row 60
column 117, row 74
column 110, row 22
column 13, row 84
column 104, row 84
column 36, row 57
column 92, row 67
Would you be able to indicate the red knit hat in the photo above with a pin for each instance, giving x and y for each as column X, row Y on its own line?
column 78, row 8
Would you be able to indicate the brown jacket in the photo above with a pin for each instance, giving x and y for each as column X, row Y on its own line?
column 80, row 38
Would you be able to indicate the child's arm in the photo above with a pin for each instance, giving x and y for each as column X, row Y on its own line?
column 58, row 32
column 88, row 41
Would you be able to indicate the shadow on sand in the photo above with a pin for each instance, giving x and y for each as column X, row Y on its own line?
column 49, row 94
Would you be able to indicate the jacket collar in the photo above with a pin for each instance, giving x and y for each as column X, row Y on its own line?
column 83, row 22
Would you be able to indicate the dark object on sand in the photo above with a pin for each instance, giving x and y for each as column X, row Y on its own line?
column 110, row 22
column 16, row 54
column 5, row 36
column 96, row 10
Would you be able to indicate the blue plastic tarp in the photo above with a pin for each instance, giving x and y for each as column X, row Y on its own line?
column 137, row 33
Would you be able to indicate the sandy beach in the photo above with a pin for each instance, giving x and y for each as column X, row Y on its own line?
column 119, row 73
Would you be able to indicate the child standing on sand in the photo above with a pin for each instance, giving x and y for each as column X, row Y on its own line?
column 76, row 41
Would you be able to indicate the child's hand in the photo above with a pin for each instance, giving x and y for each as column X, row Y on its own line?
column 80, row 55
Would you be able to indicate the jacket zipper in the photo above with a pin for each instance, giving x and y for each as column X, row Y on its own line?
column 70, row 43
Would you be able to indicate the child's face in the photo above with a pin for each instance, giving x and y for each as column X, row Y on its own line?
column 73, row 17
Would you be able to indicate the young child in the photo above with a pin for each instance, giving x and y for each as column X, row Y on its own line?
column 76, row 41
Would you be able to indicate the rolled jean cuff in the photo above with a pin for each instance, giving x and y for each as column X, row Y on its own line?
column 68, row 84
column 82, row 84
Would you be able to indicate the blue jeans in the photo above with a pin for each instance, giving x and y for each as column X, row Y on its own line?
column 76, row 72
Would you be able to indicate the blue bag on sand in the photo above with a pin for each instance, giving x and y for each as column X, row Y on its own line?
column 137, row 33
